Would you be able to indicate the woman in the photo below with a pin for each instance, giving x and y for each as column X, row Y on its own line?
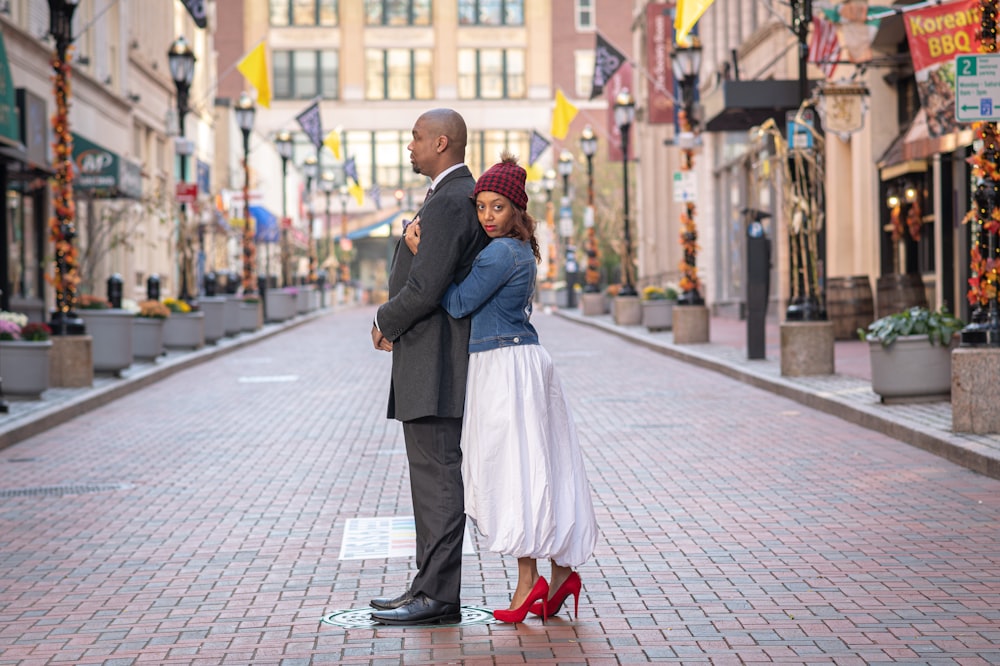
column 525, row 483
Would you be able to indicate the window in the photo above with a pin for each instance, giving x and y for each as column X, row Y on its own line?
column 584, row 73
column 491, row 12
column 398, row 74
column 485, row 147
column 491, row 74
column 398, row 12
column 303, row 12
column 585, row 15
column 305, row 74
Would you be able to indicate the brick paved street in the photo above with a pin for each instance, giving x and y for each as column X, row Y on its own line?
column 199, row 521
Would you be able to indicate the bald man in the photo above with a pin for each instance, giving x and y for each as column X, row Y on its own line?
column 430, row 359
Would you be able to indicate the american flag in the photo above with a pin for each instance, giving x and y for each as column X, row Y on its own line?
column 824, row 49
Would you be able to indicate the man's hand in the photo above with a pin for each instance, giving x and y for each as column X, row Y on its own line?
column 412, row 235
column 380, row 341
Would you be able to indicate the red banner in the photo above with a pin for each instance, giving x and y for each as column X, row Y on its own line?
column 936, row 35
column 660, row 84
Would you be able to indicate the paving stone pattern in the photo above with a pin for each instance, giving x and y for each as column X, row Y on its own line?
column 199, row 520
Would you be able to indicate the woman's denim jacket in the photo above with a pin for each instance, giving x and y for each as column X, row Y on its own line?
column 497, row 293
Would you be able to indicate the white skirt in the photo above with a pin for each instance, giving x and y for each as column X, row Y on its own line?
column 526, row 487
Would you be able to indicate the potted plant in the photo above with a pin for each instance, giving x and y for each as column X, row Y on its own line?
column 111, row 332
column 658, row 307
column 281, row 304
column 147, row 330
column 250, row 313
column 911, row 354
column 185, row 328
column 25, row 355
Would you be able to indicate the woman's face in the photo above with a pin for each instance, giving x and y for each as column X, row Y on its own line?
column 496, row 214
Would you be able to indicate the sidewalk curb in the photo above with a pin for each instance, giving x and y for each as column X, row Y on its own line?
column 93, row 397
column 960, row 449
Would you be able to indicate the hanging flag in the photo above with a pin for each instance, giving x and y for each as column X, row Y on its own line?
column 196, row 8
column 311, row 124
column 351, row 169
column 357, row 192
column 332, row 141
column 254, row 68
column 562, row 115
column 607, row 60
column 536, row 147
column 375, row 192
column 688, row 13
column 824, row 49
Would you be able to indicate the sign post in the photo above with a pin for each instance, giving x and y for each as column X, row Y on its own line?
column 977, row 87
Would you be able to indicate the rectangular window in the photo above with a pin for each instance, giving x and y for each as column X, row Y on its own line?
column 305, row 74
column 398, row 12
column 491, row 74
column 484, row 148
column 303, row 12
column 585, row 15
column 584, row 72
column 398, row 74
column 491, row 12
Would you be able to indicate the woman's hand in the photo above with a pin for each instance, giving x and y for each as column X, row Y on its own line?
column 412, row 235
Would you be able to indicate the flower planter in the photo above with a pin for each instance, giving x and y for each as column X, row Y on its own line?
column 231, row 315
column 184, row 330
column 249, row 317
column 280, row 305
column 627, row 310
column 593, row 303
column 147, row 338
column 111, row 331
column 214, row 308
column 658, row 315
column 911, row 369
column 25, row 367
column 313, row 299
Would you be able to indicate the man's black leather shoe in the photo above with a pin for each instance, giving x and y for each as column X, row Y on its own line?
column 388, row 604
column 420, row 610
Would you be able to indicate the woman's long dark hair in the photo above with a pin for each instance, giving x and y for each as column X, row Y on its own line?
column 523, row 227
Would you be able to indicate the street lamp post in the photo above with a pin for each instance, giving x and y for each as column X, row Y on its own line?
column 549, row 183
column 62, row 226
column 624, row 115
column 327, row 184
column 686, row 59
column 566, row 228
column 285, row 148
column 345, row 242
column 245, row 111
column 310, row 167
column 592, row 278
column 181, row 59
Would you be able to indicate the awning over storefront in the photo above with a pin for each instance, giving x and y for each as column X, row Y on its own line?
column 909, row 152
column 736, row 106
column 383, row 228
column 102, row 174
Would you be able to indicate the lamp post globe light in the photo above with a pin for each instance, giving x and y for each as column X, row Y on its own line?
column 592, row 278
column 245, row 111
column 686, row 61
column 285, row 147
column 310, row 167
column 181, row 60
column 624, row 110
column 549, row 183
column 566, row 228
column 62, row 225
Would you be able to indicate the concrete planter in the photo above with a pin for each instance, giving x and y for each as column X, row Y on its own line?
column 184, row 330
column 147, row 338
column 911, row 369
column 249, row 316
column 593, row 303
column 547, row 296
column 112, row 333
column 280, row 305
column 692, row 325
column 627, row 310
column 231, row 315
column 214, row 308
column 807, row 348
column 658, row 315
column 25, row 367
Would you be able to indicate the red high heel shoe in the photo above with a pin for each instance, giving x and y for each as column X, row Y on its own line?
column 537, row 597
column 570, row 586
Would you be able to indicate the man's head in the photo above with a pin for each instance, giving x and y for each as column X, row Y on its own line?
column 439, row 138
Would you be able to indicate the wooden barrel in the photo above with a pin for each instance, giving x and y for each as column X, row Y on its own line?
column 897, row 293
column 849, row 305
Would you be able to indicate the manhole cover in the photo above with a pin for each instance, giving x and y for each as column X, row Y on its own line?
column 361, row 618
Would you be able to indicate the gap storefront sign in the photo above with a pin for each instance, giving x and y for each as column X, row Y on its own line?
column 101, row 173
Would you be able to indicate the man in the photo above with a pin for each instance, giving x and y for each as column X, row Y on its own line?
column 430, row 359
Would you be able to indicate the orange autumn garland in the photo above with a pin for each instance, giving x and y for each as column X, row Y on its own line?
column 689, row 242
column 61, row 224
